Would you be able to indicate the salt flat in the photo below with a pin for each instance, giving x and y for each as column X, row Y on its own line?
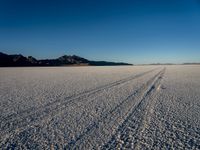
column 133, row 107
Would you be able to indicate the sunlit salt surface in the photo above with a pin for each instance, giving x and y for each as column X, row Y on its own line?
column 131, row 107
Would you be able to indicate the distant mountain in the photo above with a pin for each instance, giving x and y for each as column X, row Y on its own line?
column 191, row 63
column 66, row 60
column 13, row 60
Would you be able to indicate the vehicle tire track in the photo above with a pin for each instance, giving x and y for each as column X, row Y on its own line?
column 24, row 119
column 127, row 134
column 165, row 131
column 97, row 133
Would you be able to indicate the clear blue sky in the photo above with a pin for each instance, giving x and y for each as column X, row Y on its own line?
column 142, row 31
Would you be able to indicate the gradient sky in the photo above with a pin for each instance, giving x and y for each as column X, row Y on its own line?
column 142, row 31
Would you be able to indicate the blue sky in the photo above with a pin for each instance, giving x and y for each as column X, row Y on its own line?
column 131, row 31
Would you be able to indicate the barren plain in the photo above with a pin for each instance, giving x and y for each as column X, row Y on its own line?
column 121, row 107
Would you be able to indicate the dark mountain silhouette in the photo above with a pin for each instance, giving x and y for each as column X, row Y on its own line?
column 20, row 60
column 6, row 60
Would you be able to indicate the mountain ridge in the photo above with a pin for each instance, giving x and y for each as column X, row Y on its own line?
column 17, row 60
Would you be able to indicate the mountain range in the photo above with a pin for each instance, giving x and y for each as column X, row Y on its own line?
column 66, row 60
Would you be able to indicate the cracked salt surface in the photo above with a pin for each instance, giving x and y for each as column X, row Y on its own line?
column 134, row 107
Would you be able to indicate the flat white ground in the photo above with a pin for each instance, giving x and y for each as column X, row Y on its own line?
column 134, row 107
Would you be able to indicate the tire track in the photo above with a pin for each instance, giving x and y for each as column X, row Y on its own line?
column 97, row 133
column 168, row 131
column 25, row 118
column 128, row 132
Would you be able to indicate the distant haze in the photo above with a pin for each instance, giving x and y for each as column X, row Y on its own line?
column 139, row 32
